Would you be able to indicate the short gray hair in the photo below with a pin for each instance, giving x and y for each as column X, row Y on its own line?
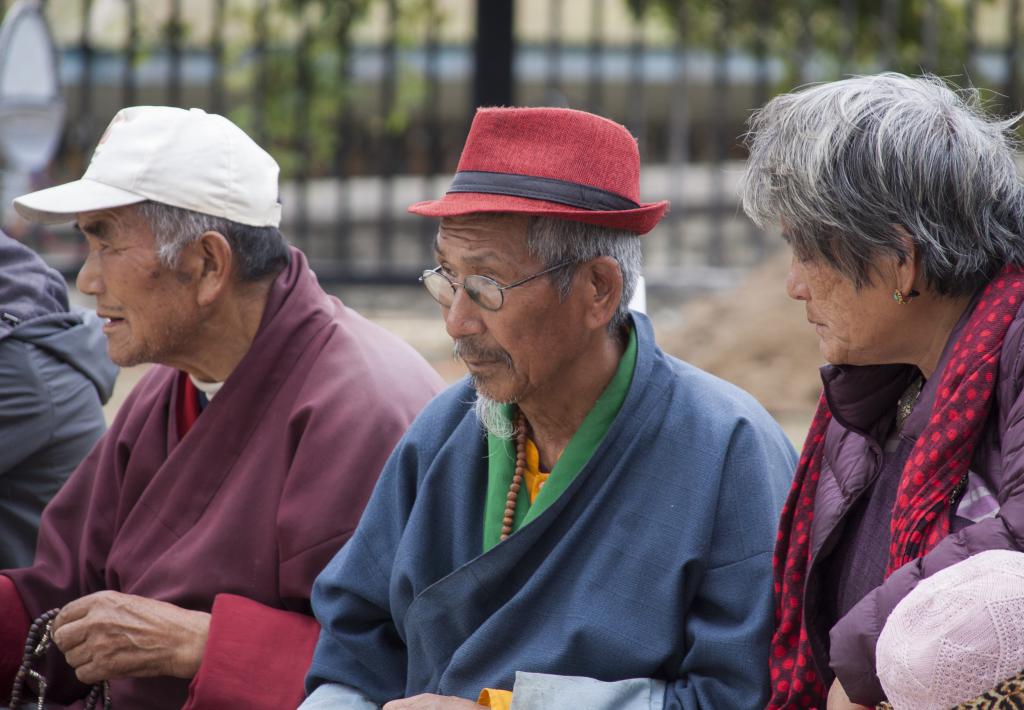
column 259, row 252
column 554, row 241
column 843, row 164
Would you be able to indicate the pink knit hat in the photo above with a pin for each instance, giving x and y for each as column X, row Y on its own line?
column 956, row 635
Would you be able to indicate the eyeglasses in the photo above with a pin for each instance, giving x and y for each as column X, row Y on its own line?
column 485, row 292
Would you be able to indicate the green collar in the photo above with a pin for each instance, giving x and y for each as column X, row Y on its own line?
column 501, row 455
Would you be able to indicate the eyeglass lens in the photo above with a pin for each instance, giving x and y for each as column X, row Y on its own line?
column 481, row 289
column 439, row 287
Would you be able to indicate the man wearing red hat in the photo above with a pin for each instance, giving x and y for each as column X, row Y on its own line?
column 584, row 521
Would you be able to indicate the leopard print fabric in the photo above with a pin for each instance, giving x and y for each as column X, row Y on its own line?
column 1008, row 695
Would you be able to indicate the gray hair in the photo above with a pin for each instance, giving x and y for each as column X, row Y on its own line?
column 553, row 241
column 259, row 251
column 844, row 165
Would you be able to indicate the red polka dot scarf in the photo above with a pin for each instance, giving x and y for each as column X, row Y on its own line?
column 920, row 517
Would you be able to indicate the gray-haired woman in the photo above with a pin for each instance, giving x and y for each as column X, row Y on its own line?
column 905, row 212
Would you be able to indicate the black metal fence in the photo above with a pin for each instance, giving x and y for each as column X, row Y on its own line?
column 365, row 103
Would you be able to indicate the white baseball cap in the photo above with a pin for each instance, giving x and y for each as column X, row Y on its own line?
column 191, row 159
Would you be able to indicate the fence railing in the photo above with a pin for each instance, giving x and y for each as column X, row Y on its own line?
column 365, row 103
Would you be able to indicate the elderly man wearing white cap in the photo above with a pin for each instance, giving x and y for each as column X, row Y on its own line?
column 182, row 551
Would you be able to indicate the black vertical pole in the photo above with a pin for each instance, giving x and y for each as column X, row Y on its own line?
column 259, row 88
column 492, row 84
column 890, row 21
column 971, row 48
column 553, row 95
column 721, row 137
column 930, row 37
column 678, row 138
column 174, row 38
column 301, row 138
column 595, row 93
column 848, row 45
column 217, row 100
column 432, row 128
column 83, row 123
column 345, row 130
column 131, row 53
column 1012, row 90
column 389, row 146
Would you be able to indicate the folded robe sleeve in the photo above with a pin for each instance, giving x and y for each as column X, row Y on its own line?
column 14, row 624
column 538, row 691
column 334, row 696
column 256, row 657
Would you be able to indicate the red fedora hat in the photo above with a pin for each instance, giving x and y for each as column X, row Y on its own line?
column 552, row 162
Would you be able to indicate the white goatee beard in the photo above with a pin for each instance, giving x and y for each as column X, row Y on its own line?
column 492, row 419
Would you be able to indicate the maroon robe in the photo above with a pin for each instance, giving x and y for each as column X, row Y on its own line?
column 241, row 514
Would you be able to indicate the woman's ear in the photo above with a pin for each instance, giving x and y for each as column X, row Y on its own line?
column 908, row 276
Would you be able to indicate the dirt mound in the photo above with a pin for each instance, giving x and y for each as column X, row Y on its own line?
column 755, row 336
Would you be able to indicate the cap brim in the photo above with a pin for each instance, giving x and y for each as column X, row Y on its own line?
column 61, row 203
column 454, row 204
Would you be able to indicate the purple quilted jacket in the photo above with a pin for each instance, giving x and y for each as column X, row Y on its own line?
column 863, row 400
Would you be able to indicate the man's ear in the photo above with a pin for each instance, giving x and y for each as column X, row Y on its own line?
column 602, row 286
column 213, row 263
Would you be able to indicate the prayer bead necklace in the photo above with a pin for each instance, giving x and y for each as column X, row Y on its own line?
column 40, row 636
column 517, row 478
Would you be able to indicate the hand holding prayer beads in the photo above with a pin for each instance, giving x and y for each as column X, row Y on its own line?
column 110, row 635
column 38, row 641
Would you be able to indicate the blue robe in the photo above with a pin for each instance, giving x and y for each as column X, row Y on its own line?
column 654, row 563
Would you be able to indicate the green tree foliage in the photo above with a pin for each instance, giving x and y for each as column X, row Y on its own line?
column 820, row 39
column 303, row 102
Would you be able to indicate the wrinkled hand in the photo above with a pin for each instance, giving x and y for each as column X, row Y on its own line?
column 427, row 701
column 838, row 700
column 110, row 635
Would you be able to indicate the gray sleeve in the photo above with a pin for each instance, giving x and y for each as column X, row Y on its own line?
column 26, row 409
column 335, row 696
column 539, row 691
column 50, row 417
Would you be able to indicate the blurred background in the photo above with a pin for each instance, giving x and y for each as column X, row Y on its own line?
column 366, row 103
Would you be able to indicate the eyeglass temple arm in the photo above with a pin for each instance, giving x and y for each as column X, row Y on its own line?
column 531, row 278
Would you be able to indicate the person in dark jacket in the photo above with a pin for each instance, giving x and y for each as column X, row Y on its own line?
column 54, row 378
column 903, row 206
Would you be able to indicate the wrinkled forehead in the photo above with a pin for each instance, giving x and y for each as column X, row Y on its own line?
column 118, row 223
column 500, row 237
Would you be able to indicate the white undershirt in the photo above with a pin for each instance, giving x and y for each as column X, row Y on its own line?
column 210, row 389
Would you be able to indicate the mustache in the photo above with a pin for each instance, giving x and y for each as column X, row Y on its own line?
column 469, row 349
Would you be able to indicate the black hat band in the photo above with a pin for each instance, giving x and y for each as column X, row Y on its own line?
column 538, row 188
